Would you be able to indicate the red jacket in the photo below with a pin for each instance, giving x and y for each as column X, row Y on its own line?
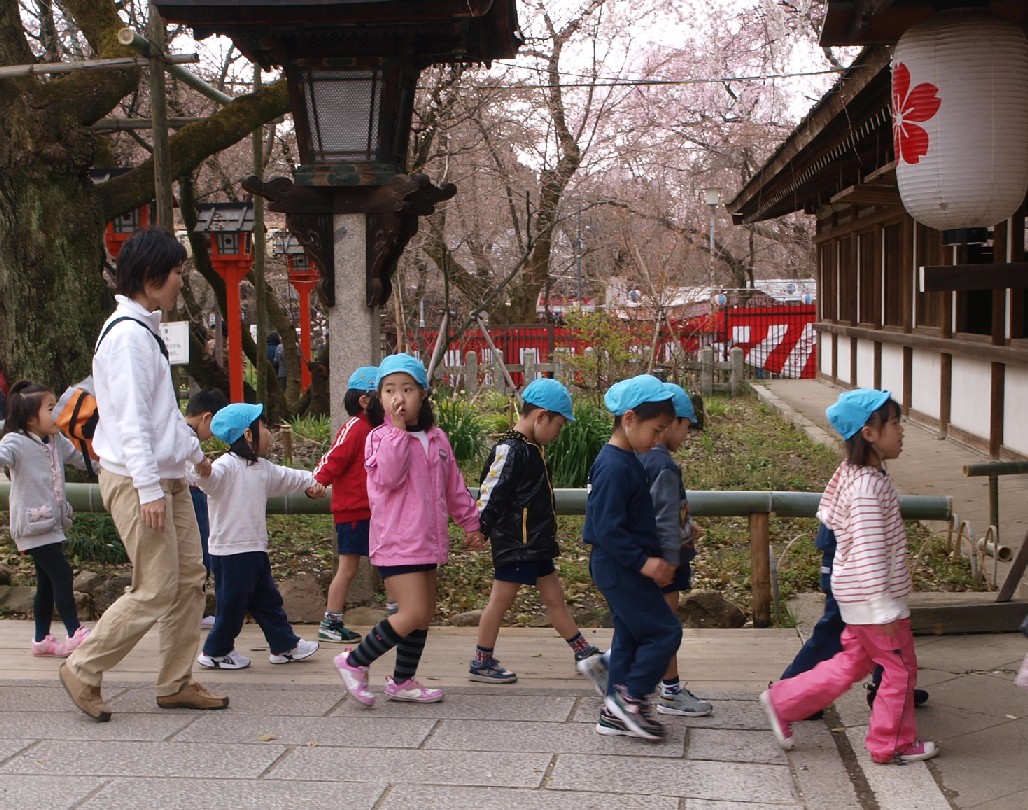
column 342, row 468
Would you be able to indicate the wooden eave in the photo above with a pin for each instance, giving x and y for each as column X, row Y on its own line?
column 844, row 139
column 882, row 22
column 423, row 31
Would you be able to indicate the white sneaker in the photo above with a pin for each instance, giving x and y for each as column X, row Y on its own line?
column 207, row 622
column 231, row 661
column 303, row 649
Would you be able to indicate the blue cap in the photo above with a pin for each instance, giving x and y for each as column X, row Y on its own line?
column 549, row 395
column 229, row 423
column 405, row 363
column 850, row 412
column 633, row 392
column 682, row 402
column 363, row 379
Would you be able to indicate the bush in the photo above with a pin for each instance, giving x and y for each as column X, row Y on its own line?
column 578, row 444
column 92, row 538
column 459, row 419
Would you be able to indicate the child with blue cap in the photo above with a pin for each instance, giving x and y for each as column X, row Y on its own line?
column 870, row 582
column 238, row 486
column 518, row 514
column 414, row 488
column 626, row 561
column 342, row 468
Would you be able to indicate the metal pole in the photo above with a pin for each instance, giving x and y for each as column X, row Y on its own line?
column 578, row 261
column 260, row 291
column 159, row 114
column 710, row 272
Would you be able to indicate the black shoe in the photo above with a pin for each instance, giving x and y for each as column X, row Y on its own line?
column 816, row 716
column 920, row 695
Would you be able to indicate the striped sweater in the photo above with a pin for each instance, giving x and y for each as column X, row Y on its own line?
column 870, row 579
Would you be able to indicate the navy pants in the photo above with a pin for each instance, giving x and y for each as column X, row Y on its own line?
column 646, row 631
column 244, row 585
column 203, row 523
column 53, row 585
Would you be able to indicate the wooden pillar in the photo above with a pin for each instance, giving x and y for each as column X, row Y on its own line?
column 760, row 568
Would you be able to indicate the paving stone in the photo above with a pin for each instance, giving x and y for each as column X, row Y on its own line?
column 8, row 748
column 485, row 735
column 704, row 804
column 347, row 732
column 72, row 758
column 73, row 725
column 50, row 791
column 735, row 745
column 724, row 781
column 306, row 703
column 190, row 794
column 416, row 797
column 413, row 767
column 910, row 787
column 729, row 712
column 41, row 698
column 468, row 707
column 819, row 772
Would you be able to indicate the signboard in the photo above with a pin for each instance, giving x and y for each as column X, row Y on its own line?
column 175, row 334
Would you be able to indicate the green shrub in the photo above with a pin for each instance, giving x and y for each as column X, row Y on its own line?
column 92, row 538
column 315, row 429
column 578, row 444
column 459, row 419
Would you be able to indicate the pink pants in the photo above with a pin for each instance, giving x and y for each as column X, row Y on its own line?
column 892, row 727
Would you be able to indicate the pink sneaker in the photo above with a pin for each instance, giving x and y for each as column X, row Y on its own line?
column 75, row 640
column 49, row 646
column 410, row 691
column 355, row 679
column 917, row 751
column 779, row 727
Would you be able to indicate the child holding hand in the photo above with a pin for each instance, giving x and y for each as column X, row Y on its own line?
column 870, row 582
column 626, row 562
column 414, row 487
column 238, row 486
column 35, row 451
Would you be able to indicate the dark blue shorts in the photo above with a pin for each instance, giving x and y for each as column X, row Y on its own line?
column 352, row 537
column 524, row 573
column 682, row 580
column 386, row 571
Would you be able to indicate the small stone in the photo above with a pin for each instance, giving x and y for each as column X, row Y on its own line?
column 469, row 618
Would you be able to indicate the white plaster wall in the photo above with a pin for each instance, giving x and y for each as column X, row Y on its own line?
column 824, row 353
column 892, row 371
column 970, row 408
column 1015, row 415
column 924, row 383
column 865, row 364
column 845, row 372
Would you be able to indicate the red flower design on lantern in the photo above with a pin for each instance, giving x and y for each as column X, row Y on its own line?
column 909, row 141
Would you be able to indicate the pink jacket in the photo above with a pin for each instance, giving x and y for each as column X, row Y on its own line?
column 412, row 496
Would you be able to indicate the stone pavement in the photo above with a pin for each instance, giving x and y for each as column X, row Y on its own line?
column 289, row 738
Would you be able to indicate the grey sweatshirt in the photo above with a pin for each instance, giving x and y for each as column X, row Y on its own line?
column 39, row 510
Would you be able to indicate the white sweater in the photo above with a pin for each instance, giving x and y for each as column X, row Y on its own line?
column 238, row 495
column 141, row 433
column 870, row 579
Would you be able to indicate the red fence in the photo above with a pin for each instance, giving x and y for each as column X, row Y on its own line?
column 776, row 339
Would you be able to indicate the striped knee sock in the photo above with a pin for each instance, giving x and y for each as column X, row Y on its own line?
column 408, row 655
column 377, row 643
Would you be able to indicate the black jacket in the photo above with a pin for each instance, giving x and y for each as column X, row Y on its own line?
column 516, row 504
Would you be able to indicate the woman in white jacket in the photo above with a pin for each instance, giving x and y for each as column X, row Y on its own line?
column 144, row 445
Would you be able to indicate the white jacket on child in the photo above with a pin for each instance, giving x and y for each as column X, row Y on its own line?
column 238, row 493
column 39, row 510
column 870, row 579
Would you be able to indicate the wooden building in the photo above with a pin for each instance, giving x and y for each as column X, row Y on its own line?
column 956, row 356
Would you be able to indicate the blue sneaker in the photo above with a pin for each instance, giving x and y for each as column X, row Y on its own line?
column 490, row 671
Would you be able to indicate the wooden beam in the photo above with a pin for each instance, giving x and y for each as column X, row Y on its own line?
column 868, row 195
column 1010, row 275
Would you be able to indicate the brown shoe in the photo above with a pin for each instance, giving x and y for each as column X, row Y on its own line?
column 86, row 697
column 192, row 696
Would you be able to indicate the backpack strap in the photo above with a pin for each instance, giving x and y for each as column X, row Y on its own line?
column 160, row 341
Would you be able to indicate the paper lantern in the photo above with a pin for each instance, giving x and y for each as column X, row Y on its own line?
column 960, row 120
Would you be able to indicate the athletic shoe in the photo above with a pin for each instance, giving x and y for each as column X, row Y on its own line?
column 634, row 713
column 917, row 751
column 779, row 727
column 355, row 679
column 611, row 726
column 86, row 697
column 193, row 696
column 337, row 633
column 207, row 622
column 49, row 646
column 920, row 695
column 232, row 660
column 490, row 671
column 410, row 691
column 682, row 703
column 595, row 669
column 75, row 639
column 588, row 652
column 302, row 650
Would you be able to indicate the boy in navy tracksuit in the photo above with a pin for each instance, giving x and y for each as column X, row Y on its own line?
column 626, row 562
